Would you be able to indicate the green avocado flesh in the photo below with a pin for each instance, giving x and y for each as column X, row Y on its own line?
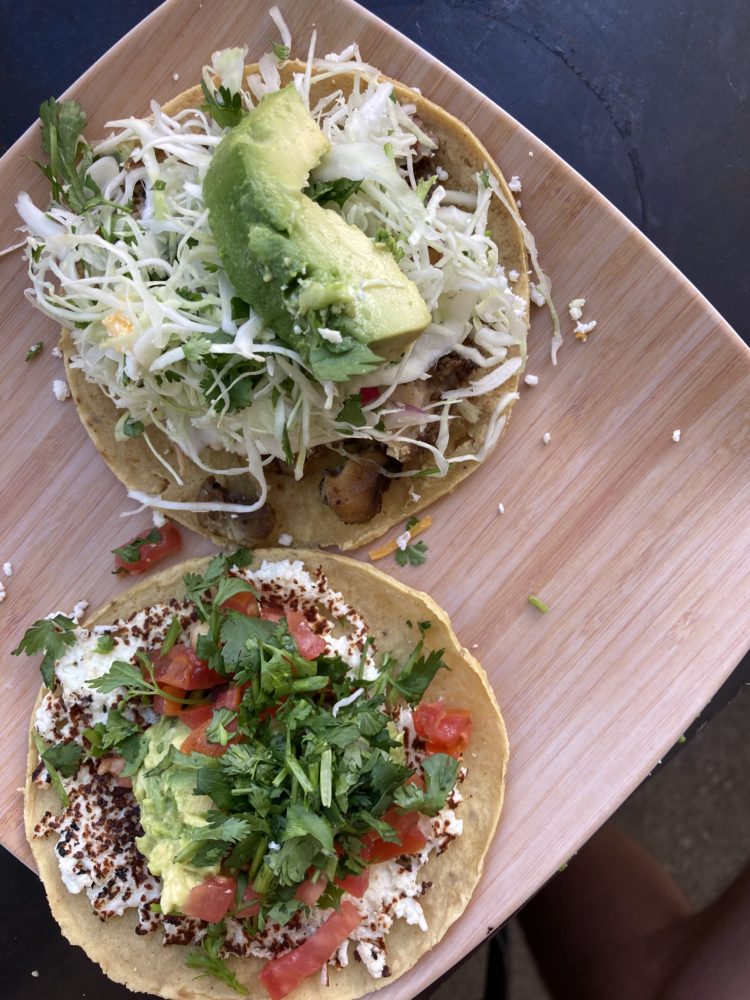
column 170, row 814
column 298, row 264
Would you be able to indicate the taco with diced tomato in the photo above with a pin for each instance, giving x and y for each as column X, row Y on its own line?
column 294, row 299
column 257, row 774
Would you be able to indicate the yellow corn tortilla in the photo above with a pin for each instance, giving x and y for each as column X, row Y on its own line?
column 144, row 964
column 298, row 508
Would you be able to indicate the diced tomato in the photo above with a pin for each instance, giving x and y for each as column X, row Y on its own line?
column 196, row 716
column 212, row 899
column 309, row 892
column 197, row 742
column 170, row 540
column 253, row 898
column 309, row 645
column 281, row 975
column 271, row 612
column 163, row 705
column 368, row 394
column 355, row 885
column 245, row 603
column 231, row 698
column 411, row 839
column 182, row 669
column 445, row 730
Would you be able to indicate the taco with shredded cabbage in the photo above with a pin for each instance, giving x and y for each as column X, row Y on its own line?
column 259, row 774
column 294, row 299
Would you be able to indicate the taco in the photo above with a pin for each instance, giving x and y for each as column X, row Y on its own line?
column 261, row 768
column 323, row 376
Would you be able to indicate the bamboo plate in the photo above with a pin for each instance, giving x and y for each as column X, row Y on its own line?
column 639, row 544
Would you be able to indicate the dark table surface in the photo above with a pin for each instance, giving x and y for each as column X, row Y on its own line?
column 649, row 101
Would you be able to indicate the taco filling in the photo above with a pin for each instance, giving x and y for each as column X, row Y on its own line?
column 246, row 770
column 304, row 274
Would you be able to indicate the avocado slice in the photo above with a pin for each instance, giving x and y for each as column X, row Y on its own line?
column 299, row 264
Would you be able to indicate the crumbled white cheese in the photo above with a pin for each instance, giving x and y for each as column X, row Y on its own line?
column 582, row 330
column 158, row 519
column 8, row 568
column 546, row 437
column 676, row 435
column 81, row 663
column 442, row 173
column 332, row 336
column 536, row 296
column 515, row 184
column 3, row 592
column 501, row 508
column 175, row 77
column 56, row 352
column 513, row 275
column 575, row 308
column 413, row 496
column 531, row 152
column 285, row 539
column 531, row 379
column 60, row 389
column 80, row 610
column 403, row 540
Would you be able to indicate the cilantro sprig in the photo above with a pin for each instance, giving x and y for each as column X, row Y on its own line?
column 50, row 636
column 131, row 552
column 136, row 683
column 414, row 553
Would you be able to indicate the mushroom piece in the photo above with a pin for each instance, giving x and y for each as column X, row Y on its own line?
column 242, row 529
column 354, row 490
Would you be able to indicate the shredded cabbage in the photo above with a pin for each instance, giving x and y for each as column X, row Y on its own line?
column 156, row 324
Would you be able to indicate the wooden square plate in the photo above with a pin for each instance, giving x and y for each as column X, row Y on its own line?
column 639, row 544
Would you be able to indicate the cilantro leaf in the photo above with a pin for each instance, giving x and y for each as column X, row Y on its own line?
column 417, row 673
column 224, row 107
column 484, row 176
column 336, row 191
column 440, row 773
column 51, row 636
column 105, row 735
column 351, row 412
column 206, row 958
column 414, row 554
column 338, row 366
column 131, row 552
column 387, row 238
column 35, row 350
column 64, row 757
column 120, row 674
column 104, row 644
column 132, row 428
column 54, row 774
column 217, row 731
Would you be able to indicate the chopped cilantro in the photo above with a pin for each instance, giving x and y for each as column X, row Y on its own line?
column 131, row 552
column 35, row 350
column 387, row 238
column 540, row 605
column 206, row 957
column 280, row 51
column 104, row 644
column 484, row 176
column 413, row 555
column 217, row 731
column 224, row 107
column 351, row 412
column 132, row 428
column 50, row 636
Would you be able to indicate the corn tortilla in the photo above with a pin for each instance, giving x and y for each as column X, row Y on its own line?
column 298, row 508
column 144, row 964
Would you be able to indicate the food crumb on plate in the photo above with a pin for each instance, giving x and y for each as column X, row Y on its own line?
column 403, row 540
column 61, row 389
column 515, row 184
column 80, row 610
column 501, row 508
column 535, row 295
column 175, row 76
column 575, row 308
column 56, row 352
column 8, row 568
column 35, row 974
column 546, row 437
column 531, row 379
column 3, row 592
column 676, row 435
column 285, row 539
column 531, row 152
column 582, row 330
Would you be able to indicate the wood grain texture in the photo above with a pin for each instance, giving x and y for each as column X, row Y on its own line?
column 641, row 546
